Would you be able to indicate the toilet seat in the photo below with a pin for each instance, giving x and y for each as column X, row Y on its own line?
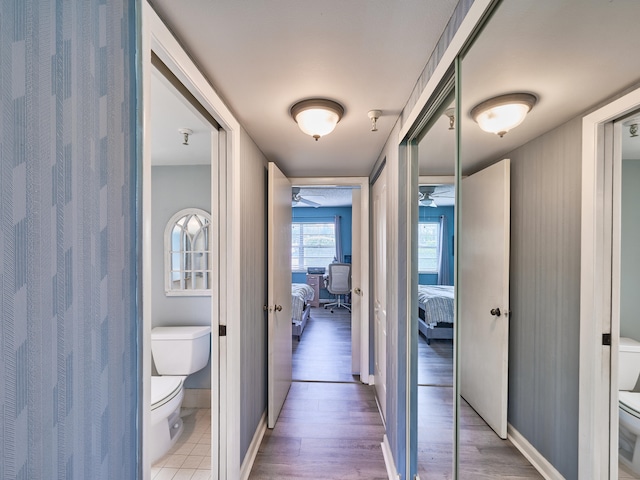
column 630, row 403
column 164, row 389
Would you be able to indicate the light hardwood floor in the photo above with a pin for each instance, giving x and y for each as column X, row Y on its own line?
column 325, row 431
column 324, row 350
column 330, row 427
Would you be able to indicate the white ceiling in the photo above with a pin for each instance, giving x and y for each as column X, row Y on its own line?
column 571, row 54
column 264, row 56
column 326, row 196
column 169, row 113
column 367, row 54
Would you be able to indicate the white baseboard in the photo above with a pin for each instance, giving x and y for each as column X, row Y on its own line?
column 250, row 457
column 540, row 463
column 392, row 471
column 368, row 380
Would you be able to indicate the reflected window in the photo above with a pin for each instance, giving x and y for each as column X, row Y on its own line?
column 428, row 246
column 188, row 253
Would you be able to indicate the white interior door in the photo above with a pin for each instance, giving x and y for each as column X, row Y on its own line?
column 483, row 289
column 279, row 292
column 379, row 194
column 356, row 284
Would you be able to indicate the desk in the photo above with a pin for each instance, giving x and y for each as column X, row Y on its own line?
column 315, row 282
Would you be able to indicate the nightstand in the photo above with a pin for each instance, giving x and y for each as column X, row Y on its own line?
column 314, row 281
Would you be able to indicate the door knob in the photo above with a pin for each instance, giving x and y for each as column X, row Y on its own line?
column 495, row 312
column 278, row 308
column 357, row 291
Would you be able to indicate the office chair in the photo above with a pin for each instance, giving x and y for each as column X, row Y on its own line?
column 339, row 284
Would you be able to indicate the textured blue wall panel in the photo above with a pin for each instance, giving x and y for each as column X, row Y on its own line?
column 68, row 360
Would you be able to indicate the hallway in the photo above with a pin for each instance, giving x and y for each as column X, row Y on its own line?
column 325, row 431
column 329, row 427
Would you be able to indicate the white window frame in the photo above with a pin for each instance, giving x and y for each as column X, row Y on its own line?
column 302, row 267
column 438, row 246
column 169, row 272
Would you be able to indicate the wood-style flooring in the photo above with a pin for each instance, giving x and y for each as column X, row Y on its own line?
column 330, row 427
column 323, row 353
column 482, row 454
column 325, row 431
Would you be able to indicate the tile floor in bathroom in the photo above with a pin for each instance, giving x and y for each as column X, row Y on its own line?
column 190, row 457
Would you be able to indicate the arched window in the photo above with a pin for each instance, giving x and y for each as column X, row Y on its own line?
column 188, row 253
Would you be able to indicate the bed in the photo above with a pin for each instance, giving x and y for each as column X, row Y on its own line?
column 301, row 295
column 435, row 311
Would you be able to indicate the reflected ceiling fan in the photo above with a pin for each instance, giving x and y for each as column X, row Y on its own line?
column 428, row 194
column 296, row 198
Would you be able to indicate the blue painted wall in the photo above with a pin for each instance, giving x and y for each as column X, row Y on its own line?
column 429, row 213
column 68, row 330
column 301, row 214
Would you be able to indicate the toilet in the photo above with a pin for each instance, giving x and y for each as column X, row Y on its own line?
column 177, row 352
column 629, row 403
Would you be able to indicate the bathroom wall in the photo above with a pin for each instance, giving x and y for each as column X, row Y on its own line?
column 174, row 188
column 68, row 315
column 630, row 265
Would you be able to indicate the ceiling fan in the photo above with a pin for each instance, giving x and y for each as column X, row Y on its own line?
column 427, row 194
column 296, row 198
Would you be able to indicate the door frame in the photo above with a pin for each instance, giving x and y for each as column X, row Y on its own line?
column 225, row 446
column 360, row 344
column 598, row 391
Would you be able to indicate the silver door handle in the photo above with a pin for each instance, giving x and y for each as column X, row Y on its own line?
column 278, row 308
column 357, row 291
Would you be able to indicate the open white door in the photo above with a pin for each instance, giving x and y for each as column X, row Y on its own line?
column 279, row 292
column 483, row 293
column 379, row 194
column 356, row 285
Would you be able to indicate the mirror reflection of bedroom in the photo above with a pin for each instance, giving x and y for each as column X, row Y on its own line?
column 321, row 259
column 436, row 230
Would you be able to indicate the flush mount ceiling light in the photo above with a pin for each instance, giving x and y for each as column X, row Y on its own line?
column 317, row 116
column 500, row 114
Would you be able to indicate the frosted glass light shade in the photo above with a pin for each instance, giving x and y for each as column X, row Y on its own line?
column 500, row 114
column 317, row 117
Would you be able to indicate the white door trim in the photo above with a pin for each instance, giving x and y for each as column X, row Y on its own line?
column 597, row 389
column 363, row 184
column 156, row 37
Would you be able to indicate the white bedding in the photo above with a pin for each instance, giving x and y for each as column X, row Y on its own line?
column 437, row 303
column 301, row 294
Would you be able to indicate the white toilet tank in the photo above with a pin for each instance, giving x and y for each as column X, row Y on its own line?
column 629, row 363
column 180, row 350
